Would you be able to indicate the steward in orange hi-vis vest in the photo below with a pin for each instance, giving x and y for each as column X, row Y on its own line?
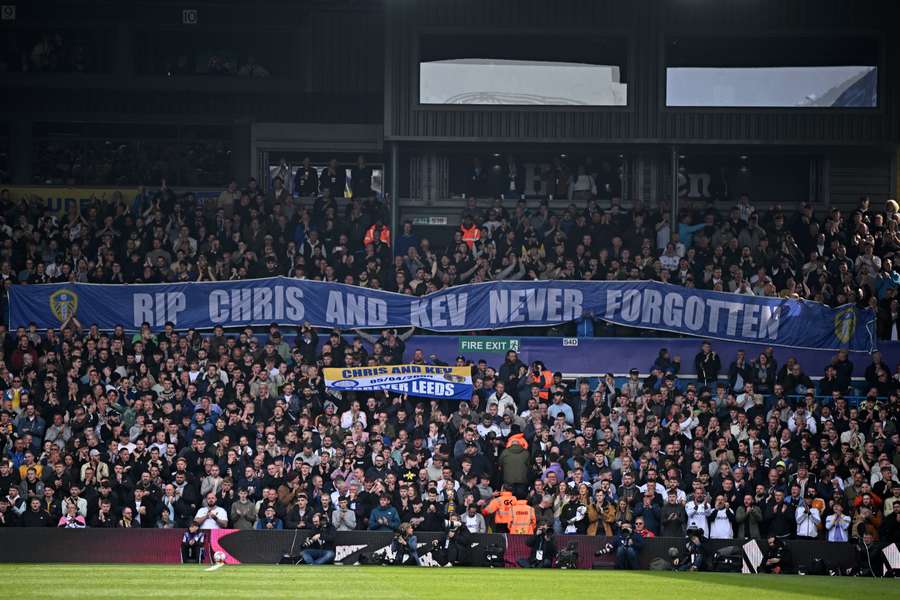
column 523, row 519
column 502, row 509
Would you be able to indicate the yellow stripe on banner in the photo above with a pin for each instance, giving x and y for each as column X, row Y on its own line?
column 60, row 199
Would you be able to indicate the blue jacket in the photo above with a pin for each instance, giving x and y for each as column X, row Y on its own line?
column 389, row 513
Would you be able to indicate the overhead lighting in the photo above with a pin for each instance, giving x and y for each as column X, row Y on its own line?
column 496, row 155
column 743, row 157
column 682, row 156
column 564, row 156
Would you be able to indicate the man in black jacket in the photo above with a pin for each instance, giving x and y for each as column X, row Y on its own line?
column 543, row 549
column 779, row 517
column 36, row 516
column 320, row 546
column 707, row 364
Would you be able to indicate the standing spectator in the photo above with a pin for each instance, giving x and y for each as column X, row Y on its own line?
column 807, row 516
column 698, row 511
column 837, row 525
column 210, row 515
column 707, row 365
column 343, row 518
column 748, row 518
column 722, row 520
column 243, row 511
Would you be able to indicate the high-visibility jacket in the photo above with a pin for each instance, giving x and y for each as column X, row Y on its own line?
column 501, row 507
column 523, row 519
column 384, row 236
column 545, row 380
column 470, row 235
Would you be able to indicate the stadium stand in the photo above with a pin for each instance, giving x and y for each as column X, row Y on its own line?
column 164, row 428
column 302, row 140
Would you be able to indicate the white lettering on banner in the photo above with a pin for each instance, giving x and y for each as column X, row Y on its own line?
column 671, row 314
column 613, row 303
column 694, row 313
column 241, row 307
column 257, row 304
column 418, row 315
column 631, row 305
column 734, row 309
column 262, row 304
column 714, row 307
column 650, row 308
column 538, row 304
column 436, row 312
column 353, row 310
column 293, row 298
column 218, row 306
column 458, row 304
column 158, row 309
column 751, row 319
column 768, row 323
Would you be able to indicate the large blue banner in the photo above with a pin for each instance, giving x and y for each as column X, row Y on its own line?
column 484, row 306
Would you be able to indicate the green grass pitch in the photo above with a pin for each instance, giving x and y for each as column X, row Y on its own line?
column 406, row 583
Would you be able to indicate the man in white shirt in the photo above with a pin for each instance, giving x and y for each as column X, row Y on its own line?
column 698, row 511
column 211, row 516
column 721, row 521
column 807, row 516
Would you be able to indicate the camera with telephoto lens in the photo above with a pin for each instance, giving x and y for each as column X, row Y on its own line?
column 606, row 549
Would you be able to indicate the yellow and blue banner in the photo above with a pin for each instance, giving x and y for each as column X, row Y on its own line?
column 428, row 381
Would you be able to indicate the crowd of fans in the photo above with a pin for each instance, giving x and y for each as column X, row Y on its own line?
column 166, row 428
column 835, row 258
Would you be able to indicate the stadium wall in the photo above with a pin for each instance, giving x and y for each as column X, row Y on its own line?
column 27, row 545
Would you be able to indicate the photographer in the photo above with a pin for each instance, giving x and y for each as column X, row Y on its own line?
column 627, row 545
column 405, row 546
column 319, row 547
column 543, row 549
column 869, row 557
column 777, row 558
column 453, row 547
column 693, row 555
